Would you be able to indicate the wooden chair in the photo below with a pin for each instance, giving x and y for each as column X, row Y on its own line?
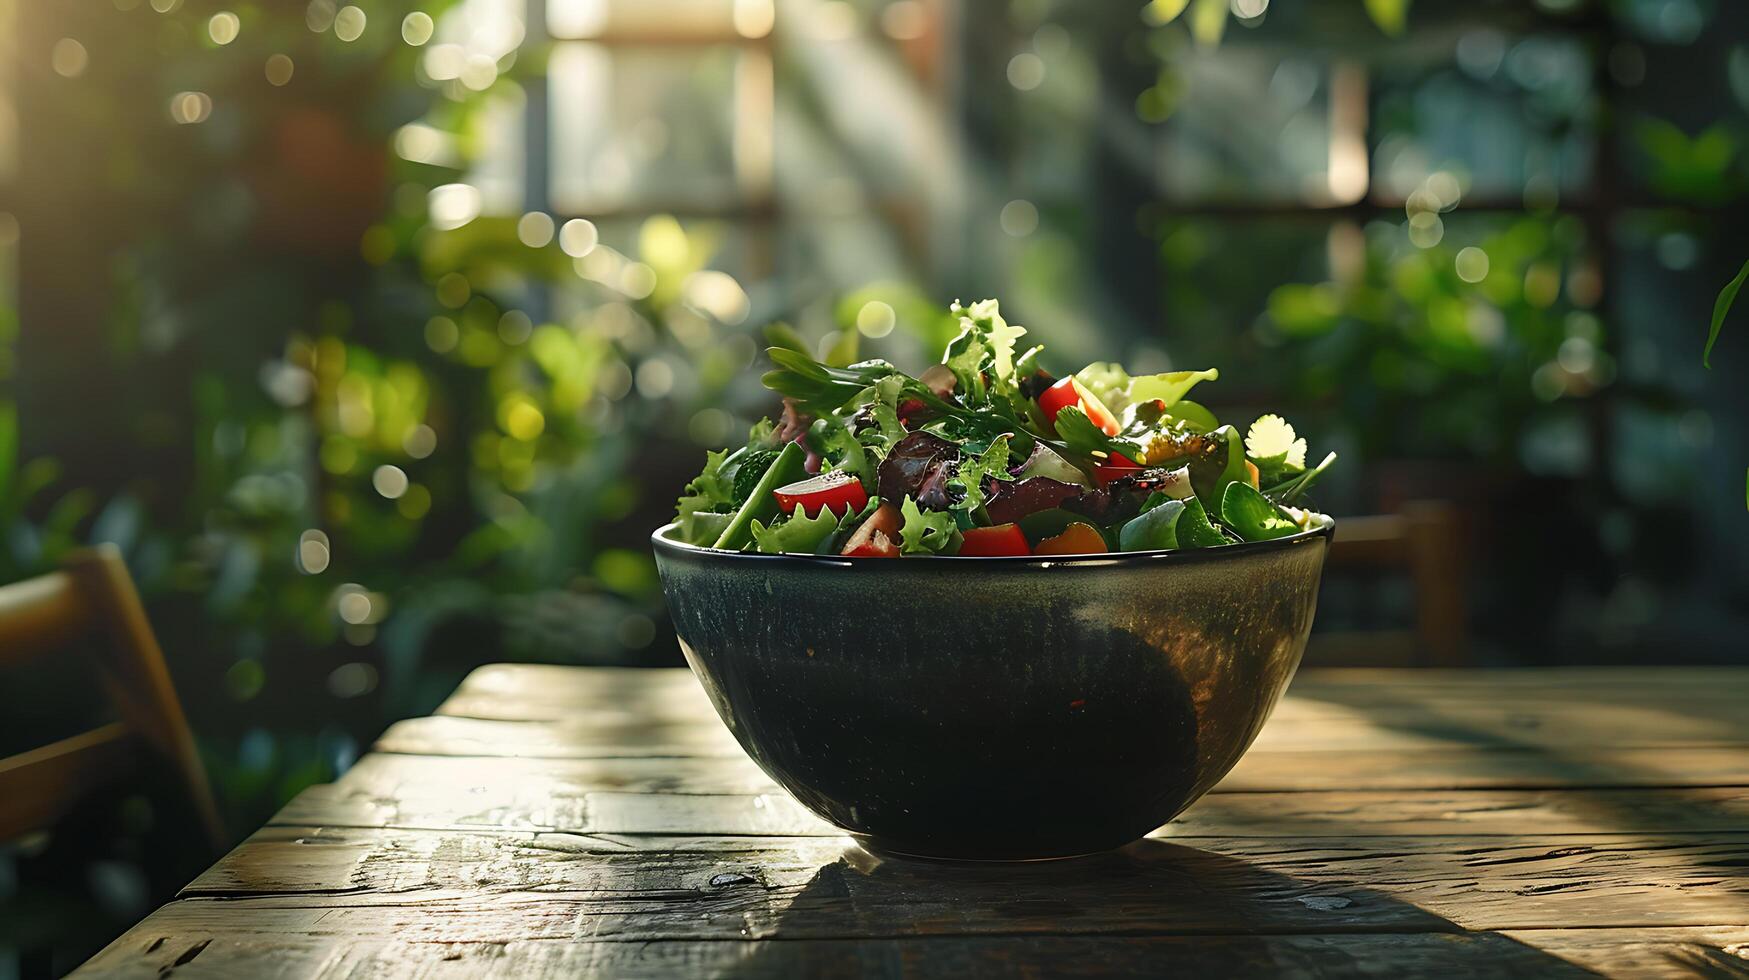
column 91, row 604
column 1425, row 539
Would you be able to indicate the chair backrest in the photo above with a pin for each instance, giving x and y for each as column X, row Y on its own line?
column 91, row 604
column 1426, row 540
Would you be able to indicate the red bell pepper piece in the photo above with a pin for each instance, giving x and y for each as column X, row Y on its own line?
column 993, row 542
column 840, row 491
column 877, row 537
column 1071, row 392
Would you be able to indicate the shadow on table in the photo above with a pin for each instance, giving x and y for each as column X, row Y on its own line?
column 1152, row 908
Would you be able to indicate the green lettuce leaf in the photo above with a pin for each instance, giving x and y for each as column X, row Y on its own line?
column 993, row 463
column 797, row 534
column 985, row 319
column 927, row 532
column 708, row 492
column 1118, row 390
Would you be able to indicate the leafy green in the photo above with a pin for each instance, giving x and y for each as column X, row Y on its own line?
column 1154, row 529
column 1111, row 384
column 1195, row 530
column 985, row 319
column 1721, row 309
column 1251, row 515
column 760, row 504
column 843, row 450
column 1229, row 456
column 1170, row 387
column 993, row 463
column 747, row 470
column 797, row 534
column 1080, row 435
column 882, row 401
column 931, row 532
column 708, row 492
column 1290, row 491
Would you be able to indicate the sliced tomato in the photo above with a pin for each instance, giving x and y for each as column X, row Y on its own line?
column 1116, row 466
column 877, row 537
column 993, row 542
column 1076, row 539
column 840, row 491
column 1071, row 392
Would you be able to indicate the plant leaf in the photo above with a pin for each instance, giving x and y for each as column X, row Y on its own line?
column 1391, row 15
column 1721, row 308
column 1160, row 12
column 1208, row 21
column 926, row 532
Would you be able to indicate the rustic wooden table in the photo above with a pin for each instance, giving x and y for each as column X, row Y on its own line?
column 579, row 820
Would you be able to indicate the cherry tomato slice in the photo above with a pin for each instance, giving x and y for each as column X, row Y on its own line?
column 1116, row 467
column 993, row 542
column 840, row 491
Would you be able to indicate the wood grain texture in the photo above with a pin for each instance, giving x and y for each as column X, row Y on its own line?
column 601, row 822
column 409, row 805
column 823, row 887
column 283, row 957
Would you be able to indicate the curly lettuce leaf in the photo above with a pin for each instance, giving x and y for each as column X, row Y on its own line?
column 710, row 490
column 973, row 470
column 927, row 532
column 984, row 319
column 797, row 534
column 844, row 451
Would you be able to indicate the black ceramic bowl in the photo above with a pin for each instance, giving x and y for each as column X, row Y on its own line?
column 996, row 708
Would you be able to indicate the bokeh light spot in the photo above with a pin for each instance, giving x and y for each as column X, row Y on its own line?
column 578, row 237
column 69, row 58
column 1026, row 71
column 876, row 319
column 1019, row 218
column 389, row 480
column 313, row 552
column 417, row 28
column 188, row 108
column 1472, row 264
column 453, row 205
column 535, row 229
column 279, row 69
column 223, row 27
column 349, row 23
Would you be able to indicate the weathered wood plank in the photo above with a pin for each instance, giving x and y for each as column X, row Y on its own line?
column 1647, row 953
column 1312, row 814
column 281, row 957
column 826, row 888
column 1297, row 726
column 607, row 687
column 476, row 787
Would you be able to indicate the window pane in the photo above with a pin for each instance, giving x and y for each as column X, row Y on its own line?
column 1507, row 116
column 658, row 18
column 1248, row 125
column 647, row 128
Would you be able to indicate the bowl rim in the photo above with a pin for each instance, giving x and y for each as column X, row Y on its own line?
column 1325, row 528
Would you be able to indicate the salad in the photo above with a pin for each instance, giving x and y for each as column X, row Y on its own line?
column 986, row 454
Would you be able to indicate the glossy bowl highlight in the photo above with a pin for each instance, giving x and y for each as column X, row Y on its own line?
column 996, row 708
